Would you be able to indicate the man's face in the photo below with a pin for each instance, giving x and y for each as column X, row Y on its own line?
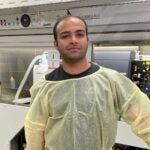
column 72, row 40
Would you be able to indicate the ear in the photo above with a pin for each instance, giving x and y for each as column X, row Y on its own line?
column 88, row 38
column 56, row 44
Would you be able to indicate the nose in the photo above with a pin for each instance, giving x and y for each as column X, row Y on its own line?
column 73, row 39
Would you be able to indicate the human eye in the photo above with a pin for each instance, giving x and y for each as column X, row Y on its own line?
column 64, row 36
column 80, row 34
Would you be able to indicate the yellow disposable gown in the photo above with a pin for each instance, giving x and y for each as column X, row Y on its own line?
column 82, row 114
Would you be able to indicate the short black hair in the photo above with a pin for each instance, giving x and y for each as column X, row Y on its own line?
column 64, row 18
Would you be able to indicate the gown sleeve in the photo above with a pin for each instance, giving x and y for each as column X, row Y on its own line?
column 36, row 118
column 133, row 106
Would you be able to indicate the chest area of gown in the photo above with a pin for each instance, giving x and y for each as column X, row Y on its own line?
column 79, row 98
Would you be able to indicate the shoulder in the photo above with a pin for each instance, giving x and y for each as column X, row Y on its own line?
column 52, row 75
column 114, row 76
column 118, row 80
column 109, row 72
column 37, row 85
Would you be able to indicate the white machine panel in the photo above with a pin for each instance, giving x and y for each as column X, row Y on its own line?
column 124, row 13
column 126, row 136
column 12, row 121
column 30, row 20
column 21, row 3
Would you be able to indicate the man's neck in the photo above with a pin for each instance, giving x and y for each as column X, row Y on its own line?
column 76, row 68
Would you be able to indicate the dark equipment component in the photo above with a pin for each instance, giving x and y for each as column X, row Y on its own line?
column 140, row 74
column 25, row 20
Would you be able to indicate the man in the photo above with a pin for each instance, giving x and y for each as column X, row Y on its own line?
column 76, row 107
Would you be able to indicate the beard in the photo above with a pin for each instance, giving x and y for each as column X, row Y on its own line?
column 73, row 57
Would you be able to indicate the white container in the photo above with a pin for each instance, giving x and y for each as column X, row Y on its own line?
column 12, row 83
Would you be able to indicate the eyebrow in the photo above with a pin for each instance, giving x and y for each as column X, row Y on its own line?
column 66, row 32
column 81, row 31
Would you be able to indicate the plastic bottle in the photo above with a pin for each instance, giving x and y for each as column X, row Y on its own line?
column 12, row 83
column 43, row 63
